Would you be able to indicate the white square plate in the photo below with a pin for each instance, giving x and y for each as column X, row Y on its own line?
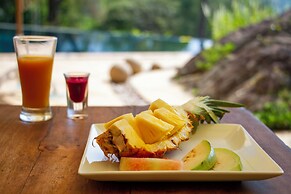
column 257, row 164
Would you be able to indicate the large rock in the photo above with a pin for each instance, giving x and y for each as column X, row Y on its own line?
column 255, row 72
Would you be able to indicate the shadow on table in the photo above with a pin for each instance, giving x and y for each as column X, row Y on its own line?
column 171, row 187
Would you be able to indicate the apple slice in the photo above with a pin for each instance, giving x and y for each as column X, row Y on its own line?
column 227, row 160
column 201, row 157
column 137, row 164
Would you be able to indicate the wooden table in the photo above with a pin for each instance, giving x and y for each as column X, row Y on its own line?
column 44, row 157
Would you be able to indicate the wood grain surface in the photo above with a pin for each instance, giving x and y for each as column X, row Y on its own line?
column 44, row 157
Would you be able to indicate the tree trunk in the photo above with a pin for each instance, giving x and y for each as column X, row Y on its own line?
column 201, row 25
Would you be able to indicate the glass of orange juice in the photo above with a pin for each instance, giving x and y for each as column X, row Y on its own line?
column 35, row 56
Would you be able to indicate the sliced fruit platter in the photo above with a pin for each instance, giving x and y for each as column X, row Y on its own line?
column 141, row 141
column 166, row 139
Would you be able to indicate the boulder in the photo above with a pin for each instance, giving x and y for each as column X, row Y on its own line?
column 254, row 72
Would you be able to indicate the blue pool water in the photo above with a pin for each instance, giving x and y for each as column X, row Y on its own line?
column 71, row 40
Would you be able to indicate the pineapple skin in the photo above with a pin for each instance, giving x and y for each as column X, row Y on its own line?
column 129, row 150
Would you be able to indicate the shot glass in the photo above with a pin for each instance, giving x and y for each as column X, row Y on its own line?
column 35, row 56
column 77, row 94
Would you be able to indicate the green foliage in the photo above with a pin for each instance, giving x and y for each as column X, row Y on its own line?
column 182, row 18
column 240, row 14
column 154, row 16
column 84, row 15
column 277, row 115
column 146, row 15
column 214, row 54
column 7, row 11
column 34, row 13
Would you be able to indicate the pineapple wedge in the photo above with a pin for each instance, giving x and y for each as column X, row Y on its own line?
column 151, row 128
column 171, row 118
column 129, row 117
column 122, row 129
column 161, row 104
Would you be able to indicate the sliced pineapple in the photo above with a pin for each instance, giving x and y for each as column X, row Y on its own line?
column 160, row 128
column 171, row 118
column 149, row 112
column 129, row 117
column 122, row 129
column 151, row 128
column 159, row 104
column 122, row 140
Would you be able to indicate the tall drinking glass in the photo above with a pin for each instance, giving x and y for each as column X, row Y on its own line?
column 35, row 55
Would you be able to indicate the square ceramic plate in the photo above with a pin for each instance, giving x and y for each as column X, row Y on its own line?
column 94, row 165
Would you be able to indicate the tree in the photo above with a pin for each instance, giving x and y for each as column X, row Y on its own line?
column 53, row 9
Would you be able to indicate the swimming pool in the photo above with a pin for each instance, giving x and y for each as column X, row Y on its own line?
column 74, row 40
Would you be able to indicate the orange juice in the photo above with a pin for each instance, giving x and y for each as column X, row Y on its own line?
column 35, row 78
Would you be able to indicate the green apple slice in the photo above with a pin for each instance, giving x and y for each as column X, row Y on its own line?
column 201, row 157
column 227, row 160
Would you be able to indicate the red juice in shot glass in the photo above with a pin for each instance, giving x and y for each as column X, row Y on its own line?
column 77, row 87
column 77, row 94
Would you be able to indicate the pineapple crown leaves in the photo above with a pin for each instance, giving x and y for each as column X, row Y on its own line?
column 208, row 108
